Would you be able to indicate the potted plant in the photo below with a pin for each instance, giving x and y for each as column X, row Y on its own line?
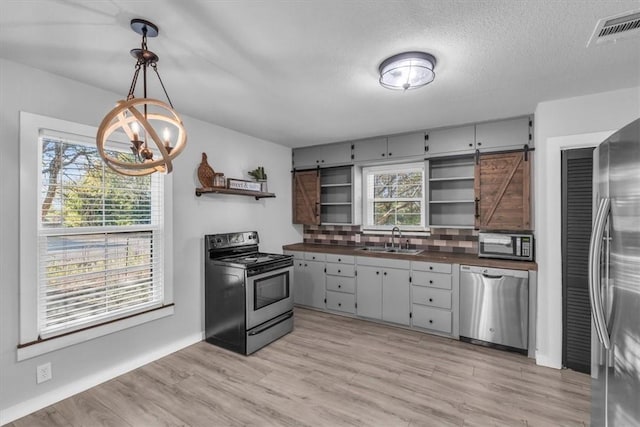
column 259, row 175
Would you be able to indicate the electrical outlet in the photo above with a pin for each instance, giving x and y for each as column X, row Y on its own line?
column 43, row 373
column 357, row 236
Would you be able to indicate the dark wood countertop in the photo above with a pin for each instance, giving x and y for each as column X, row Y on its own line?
column 429, row 256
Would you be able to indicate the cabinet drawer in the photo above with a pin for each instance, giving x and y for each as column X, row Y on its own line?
column 384, row 262
column 434, row 280
column 341, row 284
column 434, row 267
column 341, row 270
column 432, row 318
column 295, row 254
column 314, row 256
column 341, row 302
column 340, row 259
column 432, row 297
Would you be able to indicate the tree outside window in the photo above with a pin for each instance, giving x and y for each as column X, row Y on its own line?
column 394, row 196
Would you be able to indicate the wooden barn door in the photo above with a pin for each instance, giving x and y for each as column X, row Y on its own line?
column 502, row 191
column 306, row 197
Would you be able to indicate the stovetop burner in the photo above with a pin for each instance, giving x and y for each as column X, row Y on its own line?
column 254, row 258
column 240, row 250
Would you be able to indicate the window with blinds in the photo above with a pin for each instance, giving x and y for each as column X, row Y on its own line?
column 394, row 196
column 100, row 238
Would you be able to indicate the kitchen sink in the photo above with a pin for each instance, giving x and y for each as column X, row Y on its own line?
column 378, row 249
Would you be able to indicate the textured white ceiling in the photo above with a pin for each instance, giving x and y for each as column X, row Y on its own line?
column 305, row 72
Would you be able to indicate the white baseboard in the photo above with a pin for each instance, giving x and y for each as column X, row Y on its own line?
column 27, row 407
column 543, row 360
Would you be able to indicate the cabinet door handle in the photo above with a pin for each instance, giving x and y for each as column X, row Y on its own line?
column 430, row 282
column 385, row 273
column 377, row 272
column 470, row 145
column 390, row 154
column 430, row 268
column 430, row 321
column 339, row 286
column 430, row 299
column 338, row 271
column 339, row 304
column 478, row 143
column 305, row 265
column 339, row 259
column 382, row 154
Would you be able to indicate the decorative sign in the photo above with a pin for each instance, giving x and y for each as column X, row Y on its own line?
column 239, row 184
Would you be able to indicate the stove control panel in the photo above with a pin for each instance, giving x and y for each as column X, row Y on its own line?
column 230, row 240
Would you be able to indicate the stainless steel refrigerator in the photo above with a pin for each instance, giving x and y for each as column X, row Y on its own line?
column 614, row 280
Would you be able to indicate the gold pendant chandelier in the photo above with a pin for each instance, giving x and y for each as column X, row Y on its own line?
column 141, row 120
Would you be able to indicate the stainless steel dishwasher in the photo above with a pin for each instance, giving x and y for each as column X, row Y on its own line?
column 494, row 306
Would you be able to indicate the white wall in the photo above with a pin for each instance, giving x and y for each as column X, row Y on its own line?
column 82, row 366
column 560, row 124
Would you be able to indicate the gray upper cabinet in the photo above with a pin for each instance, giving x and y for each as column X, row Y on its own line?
column 393, row 147
column 407, row 145
column 370, row 149
column 322, row 155
column 450, row 141
column 503, row 135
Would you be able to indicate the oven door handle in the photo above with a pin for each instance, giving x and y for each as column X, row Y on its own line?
column 270, row 324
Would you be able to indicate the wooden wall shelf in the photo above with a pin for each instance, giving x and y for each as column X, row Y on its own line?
column 257, row 194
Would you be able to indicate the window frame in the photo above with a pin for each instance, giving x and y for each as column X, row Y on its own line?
column 31, row 344
column 396, row 167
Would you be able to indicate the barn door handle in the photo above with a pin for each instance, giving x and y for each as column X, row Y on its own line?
column 477, row 206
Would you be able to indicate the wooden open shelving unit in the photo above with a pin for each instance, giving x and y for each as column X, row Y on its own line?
column 220, row 190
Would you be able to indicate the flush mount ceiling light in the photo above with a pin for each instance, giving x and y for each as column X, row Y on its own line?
column 409, row 70
column 142, row 119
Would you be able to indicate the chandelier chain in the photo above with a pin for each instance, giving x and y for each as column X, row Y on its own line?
column 155, row 68
column 134, row 81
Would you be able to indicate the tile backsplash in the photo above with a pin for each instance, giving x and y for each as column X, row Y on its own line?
column 441, row 239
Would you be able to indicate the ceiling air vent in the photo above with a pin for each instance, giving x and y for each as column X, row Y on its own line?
column 616, row 27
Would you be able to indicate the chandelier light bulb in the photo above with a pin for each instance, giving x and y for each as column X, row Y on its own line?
column 135, row 128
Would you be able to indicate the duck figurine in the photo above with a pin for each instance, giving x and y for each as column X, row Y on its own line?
column 205, row 173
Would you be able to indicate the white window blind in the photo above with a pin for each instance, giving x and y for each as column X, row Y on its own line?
column 394, row 196
column 100, row 238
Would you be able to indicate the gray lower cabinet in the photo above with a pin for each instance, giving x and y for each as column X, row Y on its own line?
column 340, row 283
column 396, row 296
column 418, row 294
column 434, row 297
column 308, row 279
column 383, row 289
column 432, row 318
column 369, row 292
column 315, row 276
column 339, row 301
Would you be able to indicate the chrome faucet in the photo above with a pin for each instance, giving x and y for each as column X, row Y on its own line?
column 393, row 237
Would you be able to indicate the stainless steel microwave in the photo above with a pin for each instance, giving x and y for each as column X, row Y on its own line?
column 506, row 246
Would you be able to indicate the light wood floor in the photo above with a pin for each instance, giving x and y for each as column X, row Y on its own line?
column 333, row 371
